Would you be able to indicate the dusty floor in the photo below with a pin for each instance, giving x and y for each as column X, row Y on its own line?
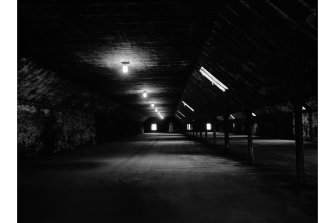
column 169, row 178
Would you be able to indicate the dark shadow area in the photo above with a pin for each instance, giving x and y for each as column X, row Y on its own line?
column 121, row 202
column 164, row 178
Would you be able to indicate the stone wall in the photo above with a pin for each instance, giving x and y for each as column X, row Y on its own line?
column 42, row 130
column 56, row 114
column 310, row 125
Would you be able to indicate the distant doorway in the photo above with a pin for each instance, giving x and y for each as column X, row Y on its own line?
column 153, row 127
column 170, row 127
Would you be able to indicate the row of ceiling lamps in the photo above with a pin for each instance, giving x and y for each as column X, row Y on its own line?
column 215, row 82
column 145, row 93
column 188, row 106
column 156, row 110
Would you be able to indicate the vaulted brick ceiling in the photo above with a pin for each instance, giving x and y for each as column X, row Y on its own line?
column 88, row 41
column 264, row 51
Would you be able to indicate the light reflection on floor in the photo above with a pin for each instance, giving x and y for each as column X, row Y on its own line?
column 169, row 178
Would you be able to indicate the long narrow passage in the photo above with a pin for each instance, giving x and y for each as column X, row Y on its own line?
column 156, row 178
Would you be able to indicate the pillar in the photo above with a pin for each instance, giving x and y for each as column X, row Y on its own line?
column 310, row 124
column 249, row 123
column 226, row 132
column 206, row 134
column 299, row 143
column 214, row 131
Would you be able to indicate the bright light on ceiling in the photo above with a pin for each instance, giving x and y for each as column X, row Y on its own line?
column 185, row 104
column 181, row 114
column 125, row 67
column 213, row 80
column 145, row 94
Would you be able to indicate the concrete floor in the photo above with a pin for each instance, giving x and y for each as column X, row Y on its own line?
column 157, row 178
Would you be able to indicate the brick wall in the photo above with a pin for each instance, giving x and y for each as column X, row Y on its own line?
column 56, row 114
column 42, row 130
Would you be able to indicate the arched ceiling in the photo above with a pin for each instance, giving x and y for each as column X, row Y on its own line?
column 87, row 41
column 264, row 51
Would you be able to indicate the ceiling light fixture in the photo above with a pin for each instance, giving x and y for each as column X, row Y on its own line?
column 185, row 104
column 156, row 110
column 181, row 113
column 232, row 117
column 253, row 114
column 145, row 94
column 125, row 67
column 152, row 105
column 213, row 80
column 178, row 116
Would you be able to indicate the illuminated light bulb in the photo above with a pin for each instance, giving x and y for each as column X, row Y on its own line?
column 253, row 114
column 213, row 79
column 185, row 104
column 152, row 105
column 181, row 113
column 125, row 68
column 145, row 94
column 156, row 110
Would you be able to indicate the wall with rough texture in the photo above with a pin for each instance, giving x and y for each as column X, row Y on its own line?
column 46, row 88
column 30, row 124
column 310, row 125
column 43, row 130
column 55, row 114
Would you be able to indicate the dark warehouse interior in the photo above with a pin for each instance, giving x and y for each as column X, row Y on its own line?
column 167, row 111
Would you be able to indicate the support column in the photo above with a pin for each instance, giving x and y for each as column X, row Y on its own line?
column 249, row 132
column 226, row 132
column 299, row 143
column 206, row 134
column 214, row 131
column 310, row 124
